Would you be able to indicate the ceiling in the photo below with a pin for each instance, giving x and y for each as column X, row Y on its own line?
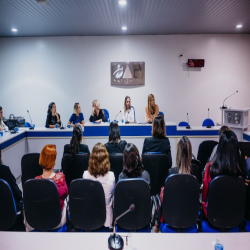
column 106, row 17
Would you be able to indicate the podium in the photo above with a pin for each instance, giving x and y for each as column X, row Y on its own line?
column 236, row 119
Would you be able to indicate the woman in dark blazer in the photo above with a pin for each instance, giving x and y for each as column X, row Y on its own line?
column 158, row 142
column 53, row 117
column 97, row 114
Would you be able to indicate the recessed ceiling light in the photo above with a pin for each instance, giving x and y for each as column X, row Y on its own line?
column 14, row 30
column 122, row 2
column 124, row 28
column 239, row 26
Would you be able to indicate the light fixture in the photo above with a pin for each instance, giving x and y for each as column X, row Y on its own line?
column 122, row 2
column 14, row 30
column 239, row 26
column 124, row 28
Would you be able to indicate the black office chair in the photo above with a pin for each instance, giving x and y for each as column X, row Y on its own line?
column 30, row 167
column 73, row 168
column 247, row 210
column 157, row 167
column 245, row 150
column 8, row 207
column 180, row 206
column 205, row 151
column 132, row 191
column 225, row 204
column 87, row 205
column 42, row 204
column 116, row 164
column 196, row 164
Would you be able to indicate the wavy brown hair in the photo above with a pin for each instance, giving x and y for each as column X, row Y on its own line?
column 125, row 106
column 159, row 127
column 150, row 96
column 99, row 160
column 75, row 141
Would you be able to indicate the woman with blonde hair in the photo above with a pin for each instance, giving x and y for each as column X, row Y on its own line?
column 98, row 169
column 97, row 114
column 151, row 110
column 128, row 114
column 77, row 117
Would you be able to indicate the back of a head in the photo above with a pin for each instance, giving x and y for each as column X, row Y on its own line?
column 159, row 127
column 99, row 160
column 1, row 163
column 227, row 158
column 47, row 158
column 75, row 140
column 223, row 129
column 184, row 155
column 132, row 164
column 114, row 132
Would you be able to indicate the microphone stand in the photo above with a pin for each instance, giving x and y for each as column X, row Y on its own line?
column 208, row 125
column 116, row 116
column 224, row 107
column 188, row 126
column 31, row 128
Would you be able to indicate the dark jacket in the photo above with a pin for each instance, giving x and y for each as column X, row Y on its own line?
column 154, row 144
column 114, row 148
column 6, row 175
column 82, row 149
column 101, row 115
column 52, row 120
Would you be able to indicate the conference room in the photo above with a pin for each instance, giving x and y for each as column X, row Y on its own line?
column 124, row 124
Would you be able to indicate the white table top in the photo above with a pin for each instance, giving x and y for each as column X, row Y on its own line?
column 7, row 135
column 145, row 241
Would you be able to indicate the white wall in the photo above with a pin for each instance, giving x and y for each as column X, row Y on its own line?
column 36, row 71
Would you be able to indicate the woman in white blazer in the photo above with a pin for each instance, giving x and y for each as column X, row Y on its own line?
column 128, row 112
column 98, row 169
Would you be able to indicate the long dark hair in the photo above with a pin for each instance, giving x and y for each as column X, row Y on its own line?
column 75, row 140
column 132, row 163
column 227, row 160
column 1, row 163
column 0, row 110
column 114, row 132
column 159, row 127
column 50, row 107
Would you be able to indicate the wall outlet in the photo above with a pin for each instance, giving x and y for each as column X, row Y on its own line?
column 182, row 55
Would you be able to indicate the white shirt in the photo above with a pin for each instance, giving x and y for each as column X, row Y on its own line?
column 129, row 115
column 3, row 126
column 108, row 184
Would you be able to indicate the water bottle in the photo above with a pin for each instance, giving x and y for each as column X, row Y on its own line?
column 122, row 120
column 16, row 129
column 1, row 133
column 56, row 125
column 108, row 120
column 68, row 125
column 217, row 244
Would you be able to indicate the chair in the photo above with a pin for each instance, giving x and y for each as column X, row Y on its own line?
column 132, row 191
column 134, row 112
column 183, row 124
column 245, row 150
column 106, row 113
column 42, row 204
column 225, row 204
column 161, row 113
column 73, row 168
column 87, row 204
column 27, row 125
column 204, row 152
column 156, row 164
column 8, row 207
column 116, row 164
column 180, row 206
column 207, row 122
column 198, row 163
column 30, row 167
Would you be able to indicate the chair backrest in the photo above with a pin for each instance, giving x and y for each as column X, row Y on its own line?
column 245, row 150
column 208, row 122
column 226, row 201
column 106, row 113
column 134, row 112
column 183, row 124
column 198, row 163
column 157, row 166
column 8, row 206
column 247, row 210
column 132, row 191
column 116, row 164
column 27, row 125
column 181, row 200
column 73, row 168
column 30, row 167
column 160, row 112
column 204, row 152
column 42, row 204
column 87, row 204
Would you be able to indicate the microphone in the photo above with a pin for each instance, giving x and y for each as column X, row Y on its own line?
column 117, row 115
column 30, row 121
column 208, row 123
column 188, row 126
column 115, row 241
column 224, row 107
column 62, row 126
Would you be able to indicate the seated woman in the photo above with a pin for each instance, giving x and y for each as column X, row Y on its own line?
column 98, row 169
column 47, row 161
column 184, row 159
column 2, row 125
column 132, row 164
column 53, row 117
column 158, row 142
column 151, row 110
column 75, row 146
column 5, row 174
column 115, row 144
column 227, row 161
column 77, row 117
column 128, row 113
column 97, row 114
